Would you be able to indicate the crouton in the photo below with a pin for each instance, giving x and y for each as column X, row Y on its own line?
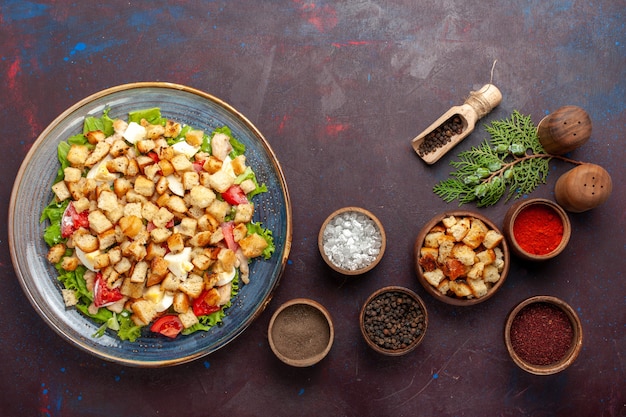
column 101, row 150
column 460, row 289
column 71, row 174
column 239, row 164
column 144, row 186
column 476, row 234
column 460, row 229
column 464, row 253
column 140, row 272
column 449, row 221
column 253, row 245
column 434, row 277
column 476, row 272
column 77, row 155
column 176, row 204
column 477, row 287
column 61, row 191
column 144, row 312
column 181, row 302
column 130, row 226
column 487, row 257
column 428, row 259
column 492, row 239
column 181, row 163
column 244, row 213
column 446, row 243
column 453, row 269
column 69, row 297
column 55, row 253
column 176, row 242
column 212, row 165
column 132, row 289
column 491, row 274
column 85, row 241
column 190, row 180
column 192, row 286
column 431, row 240
column 188, row 318
column 194, row 137
column 69, row 263
column 201, row 196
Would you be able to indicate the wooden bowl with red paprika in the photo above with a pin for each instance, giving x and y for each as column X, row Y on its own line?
column 537, row 229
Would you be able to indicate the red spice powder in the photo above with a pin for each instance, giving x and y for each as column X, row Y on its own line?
column 541, row 334
column 538, row 229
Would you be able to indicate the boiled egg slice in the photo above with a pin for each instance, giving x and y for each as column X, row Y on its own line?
column 179, row 263
column 87, row 258
column 175, row 185
column 186, row 149
column 100, row 172
column 224, row 278
column 134, row 132
column 162, row 299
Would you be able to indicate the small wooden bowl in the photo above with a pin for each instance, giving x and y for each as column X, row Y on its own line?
column 321, row 240
column 301, row 332
column 419, row 242
column 573, row 351
column 511, row 217
column 415, row 342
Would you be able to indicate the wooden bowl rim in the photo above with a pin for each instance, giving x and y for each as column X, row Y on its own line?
column 574, row 350
column 416, row 342
column 379, row 225
column 420, row 273
column 516, row 209
column 313, row 359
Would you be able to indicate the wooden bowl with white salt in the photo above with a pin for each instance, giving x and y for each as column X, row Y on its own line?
column 352, row 241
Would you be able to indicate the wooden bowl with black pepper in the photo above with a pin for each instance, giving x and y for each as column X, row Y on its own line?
column 393, row 320
column 543, row 335
column 461, row 258
column 537, row 229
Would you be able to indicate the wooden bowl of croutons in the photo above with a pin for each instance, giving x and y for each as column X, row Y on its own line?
column 461, row 258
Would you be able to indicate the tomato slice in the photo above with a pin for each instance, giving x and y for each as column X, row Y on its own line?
column 235, row 195
column 229, row 238
column 198, row 165
column 204, row 305
column 72, row 220
column 102, row 294
column 168, row 325
column 154, row 156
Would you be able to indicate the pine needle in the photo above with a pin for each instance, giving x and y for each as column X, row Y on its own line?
column 511, row 163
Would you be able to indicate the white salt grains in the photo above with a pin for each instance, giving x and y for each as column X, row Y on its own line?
column 352, row 241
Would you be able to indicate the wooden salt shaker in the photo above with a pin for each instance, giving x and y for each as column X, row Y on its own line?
column 568, row 128
column 583, row 188
column 477, row 105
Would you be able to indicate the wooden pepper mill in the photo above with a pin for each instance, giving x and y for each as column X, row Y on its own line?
column 477, row 105
column 583, row 188
column 568, row 128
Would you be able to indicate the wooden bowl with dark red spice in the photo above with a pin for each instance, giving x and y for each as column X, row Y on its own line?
column 543, row 335
column 461, row 258
column 301, row 332
column 537, row 229
column 393, row 320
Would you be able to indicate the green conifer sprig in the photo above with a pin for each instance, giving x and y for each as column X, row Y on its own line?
column 513, row 162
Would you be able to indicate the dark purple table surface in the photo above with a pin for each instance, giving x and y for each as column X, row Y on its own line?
column 339, row 89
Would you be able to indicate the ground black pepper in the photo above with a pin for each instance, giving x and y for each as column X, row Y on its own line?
column 393, row 320
column 441, row 135
column 541, row 334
